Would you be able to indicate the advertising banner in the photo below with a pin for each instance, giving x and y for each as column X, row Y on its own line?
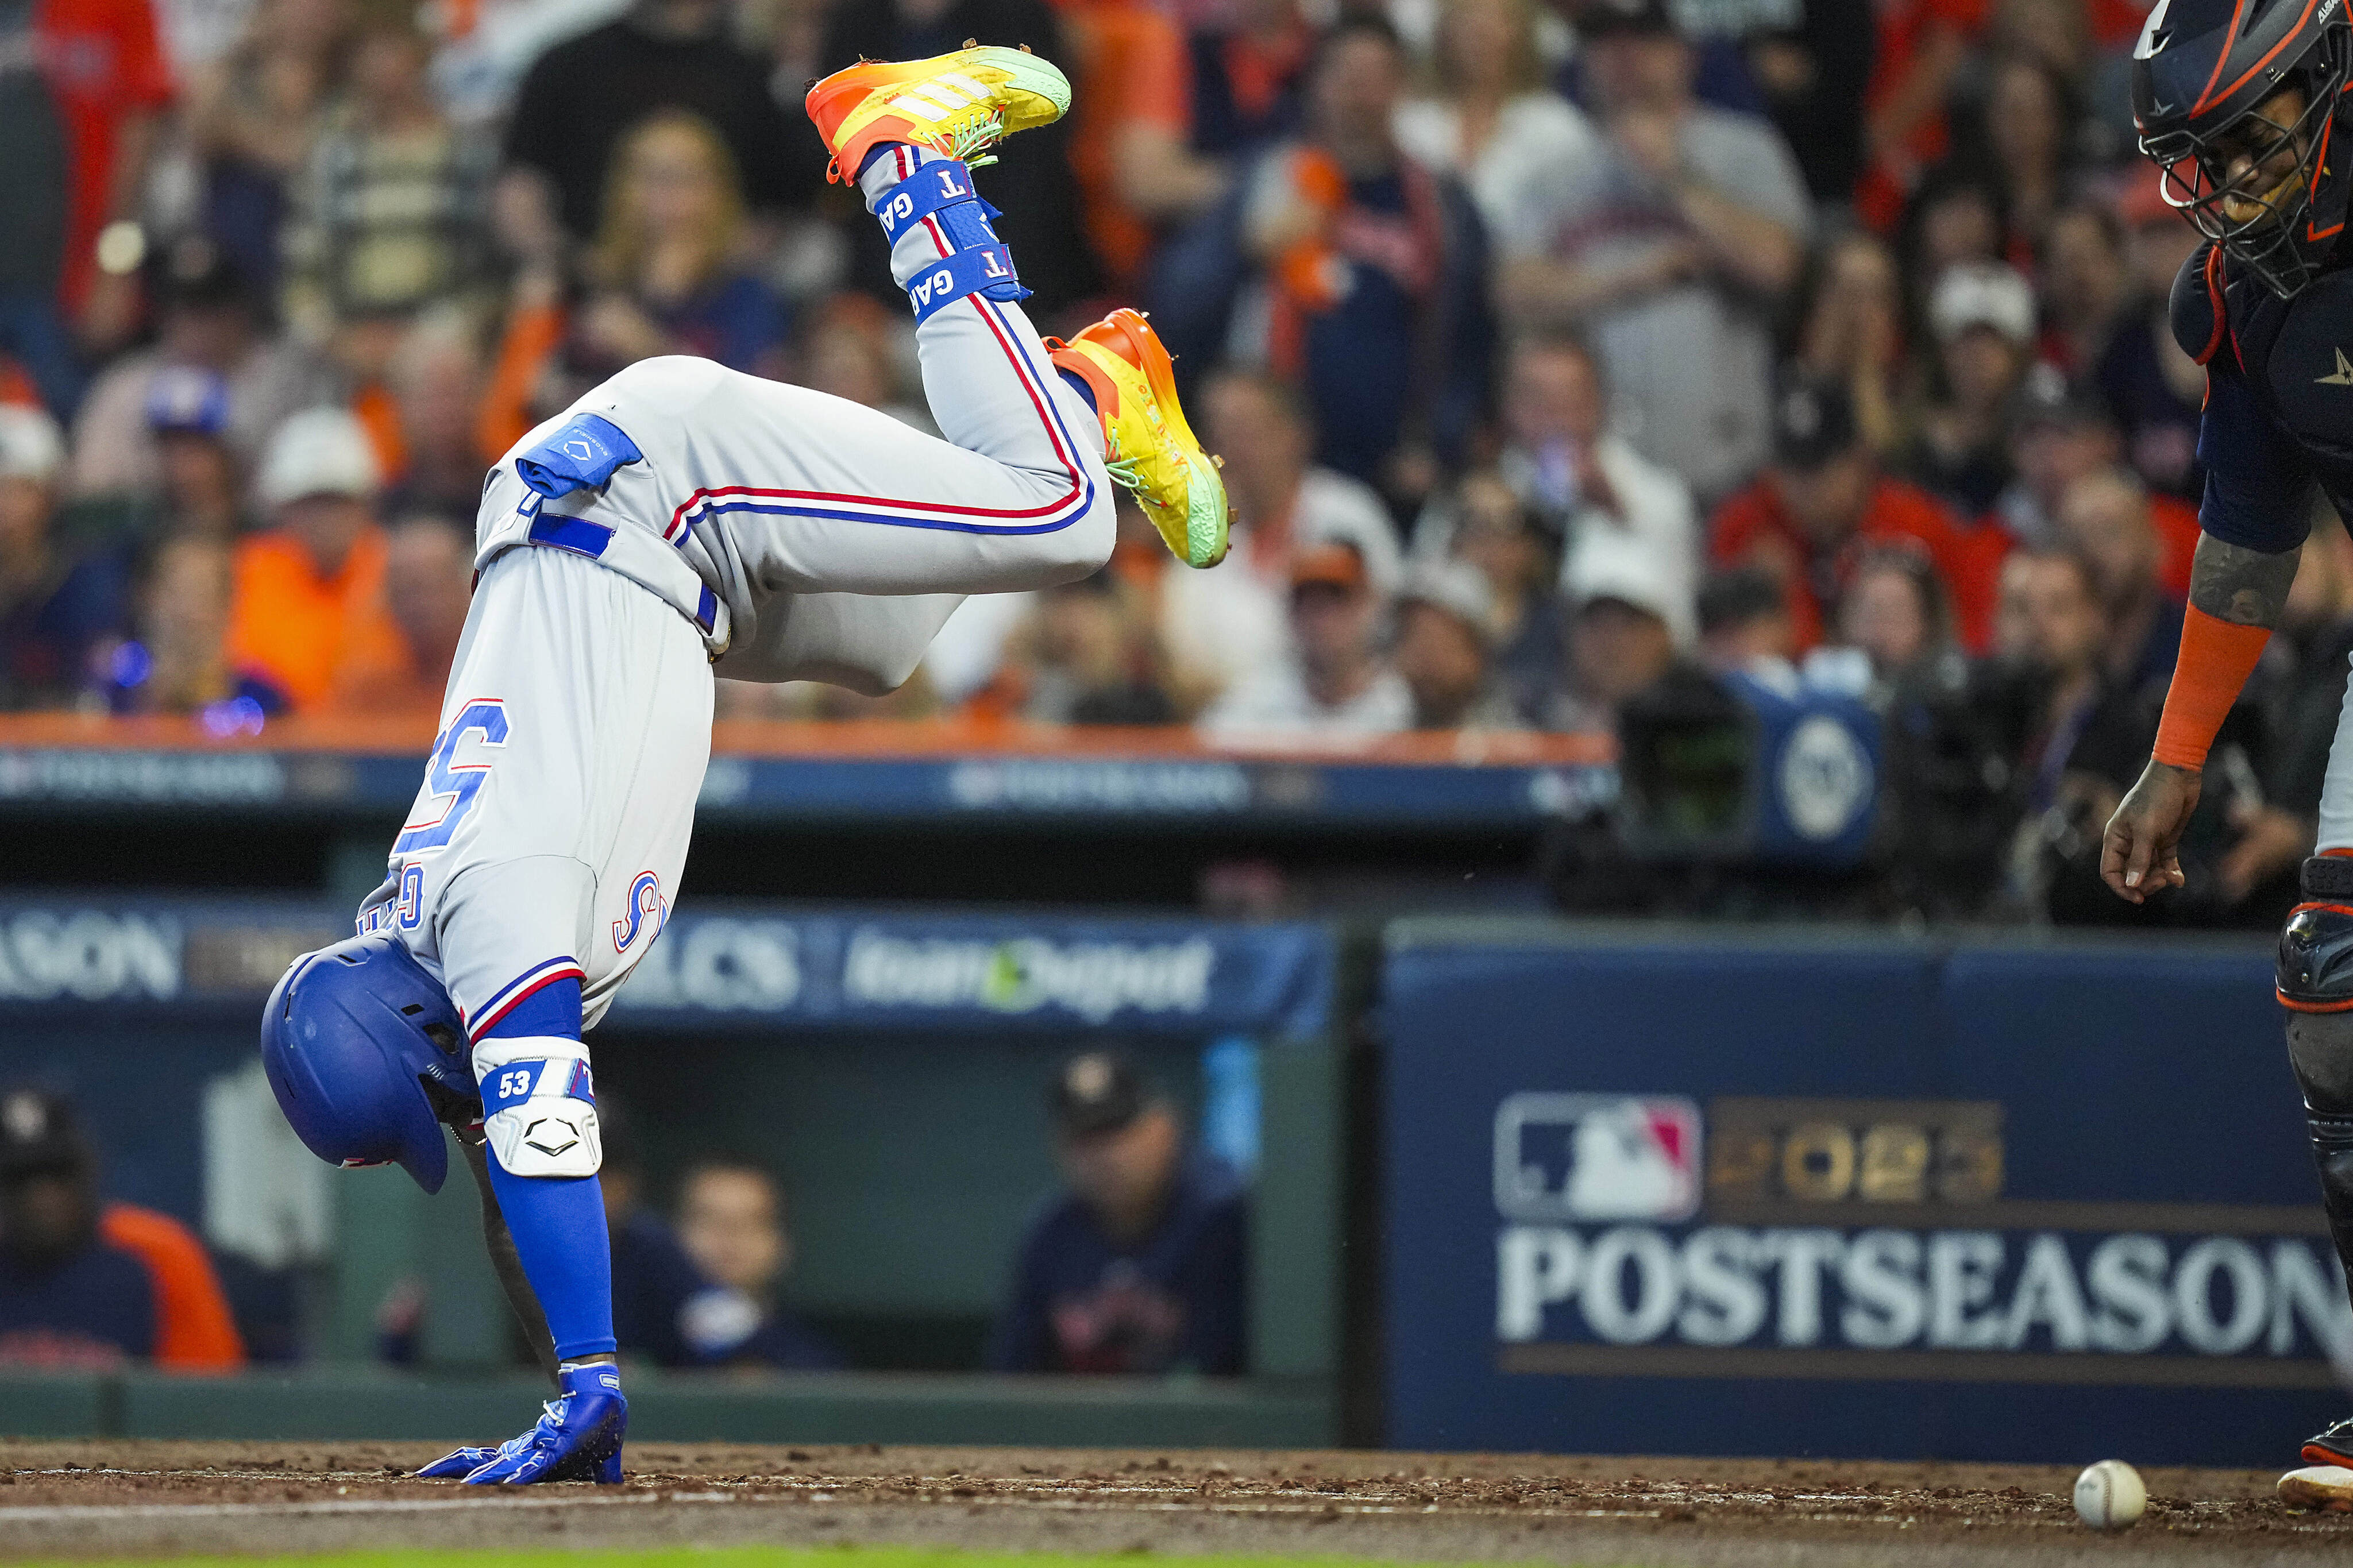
column 1714, row 1195
column 717, row 964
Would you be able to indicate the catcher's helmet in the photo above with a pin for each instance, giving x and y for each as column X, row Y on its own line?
column 2270, row 191
column 366, row 1055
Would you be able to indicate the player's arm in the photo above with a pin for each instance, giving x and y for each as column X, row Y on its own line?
column 2236, row 597
column 2254, row 514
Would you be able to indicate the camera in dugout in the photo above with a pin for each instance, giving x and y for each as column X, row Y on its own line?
column 1751, row 770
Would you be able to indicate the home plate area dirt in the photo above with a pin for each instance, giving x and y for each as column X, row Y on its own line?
column 155, row 1500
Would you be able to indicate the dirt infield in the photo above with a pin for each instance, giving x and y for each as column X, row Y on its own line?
column 97, row 1499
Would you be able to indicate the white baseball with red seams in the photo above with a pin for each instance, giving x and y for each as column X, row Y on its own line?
column 768, row 531
column 2110, row 1495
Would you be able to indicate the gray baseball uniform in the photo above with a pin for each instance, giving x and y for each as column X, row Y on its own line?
column 682, row 518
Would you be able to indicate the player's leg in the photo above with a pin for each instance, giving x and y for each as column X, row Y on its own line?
column 870, row 642
column 549, row 736
column 2316, row 985
column 907, row 136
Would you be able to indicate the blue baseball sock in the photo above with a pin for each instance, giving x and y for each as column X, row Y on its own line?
column 558, row 1222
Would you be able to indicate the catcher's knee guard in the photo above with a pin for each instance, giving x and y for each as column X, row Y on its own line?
column 2315, row 950
column 2316, row 985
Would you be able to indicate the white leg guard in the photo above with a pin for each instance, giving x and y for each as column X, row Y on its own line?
column 539, row 1106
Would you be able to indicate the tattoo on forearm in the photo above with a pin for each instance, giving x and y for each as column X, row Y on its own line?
column 2245, row 587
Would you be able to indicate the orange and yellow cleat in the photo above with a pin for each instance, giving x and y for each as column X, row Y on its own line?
column 959, row 104
column 1148, row 447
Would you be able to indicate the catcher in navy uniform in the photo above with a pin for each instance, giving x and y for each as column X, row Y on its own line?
column 2239, row 102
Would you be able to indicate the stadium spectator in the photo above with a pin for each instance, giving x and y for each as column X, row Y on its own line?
column 1922, row 46
column 388, row 214
column 89, row 1284
column 82, row 97
column 202, row 490
column 2030, row 122
column 58, row 608
column 669, row 274
column 1720, row 76
column 848, row 351
column 1671, row 247
column 2061, row 433
column 1371, row 274
column 1226, row 623
column 1446, row 630
column 1565, row 460
column 2087, row 286
column 730, row 1220
column 665, row 1309
column 1142, row 1265
column 669, row 267
column 1086, row 655
column 2052, row 617
column 1744, row 625
column 1628, row 616
column 2154, row 388
column 1495, row 531
column 1131, row 122
column 309, row 596
column 1494, row 123
column 1814, row 76
column 426, row 430
column 2091, row 740
column 1823, row 500
column 1044, row 223
column 428, row 580
column 2104, row 519
column 1895, row 611
column 68, row 1300
column 1250, row 62
column 207, row 320
column 178, row 659
column 1982, row 314
column 1850, row 328
column 582, row 96
column 252, row 115
column 1956, row 217
column 1334, row 680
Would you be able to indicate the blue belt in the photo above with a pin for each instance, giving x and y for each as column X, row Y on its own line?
column 582, row 537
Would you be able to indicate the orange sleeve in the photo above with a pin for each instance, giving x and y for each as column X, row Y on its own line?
column 194, row 1330
column 2217, row 657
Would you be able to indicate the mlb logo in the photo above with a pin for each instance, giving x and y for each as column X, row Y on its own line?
column 1597, row 1157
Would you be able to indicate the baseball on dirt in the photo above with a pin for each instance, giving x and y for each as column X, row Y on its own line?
column 2110, row 1496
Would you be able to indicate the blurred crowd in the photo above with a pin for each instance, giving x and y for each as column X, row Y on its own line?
column 1552, row 346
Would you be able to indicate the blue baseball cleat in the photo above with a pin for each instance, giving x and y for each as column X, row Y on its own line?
column 579, row 1440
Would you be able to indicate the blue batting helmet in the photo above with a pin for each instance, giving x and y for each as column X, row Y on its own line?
column 365, row 1050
